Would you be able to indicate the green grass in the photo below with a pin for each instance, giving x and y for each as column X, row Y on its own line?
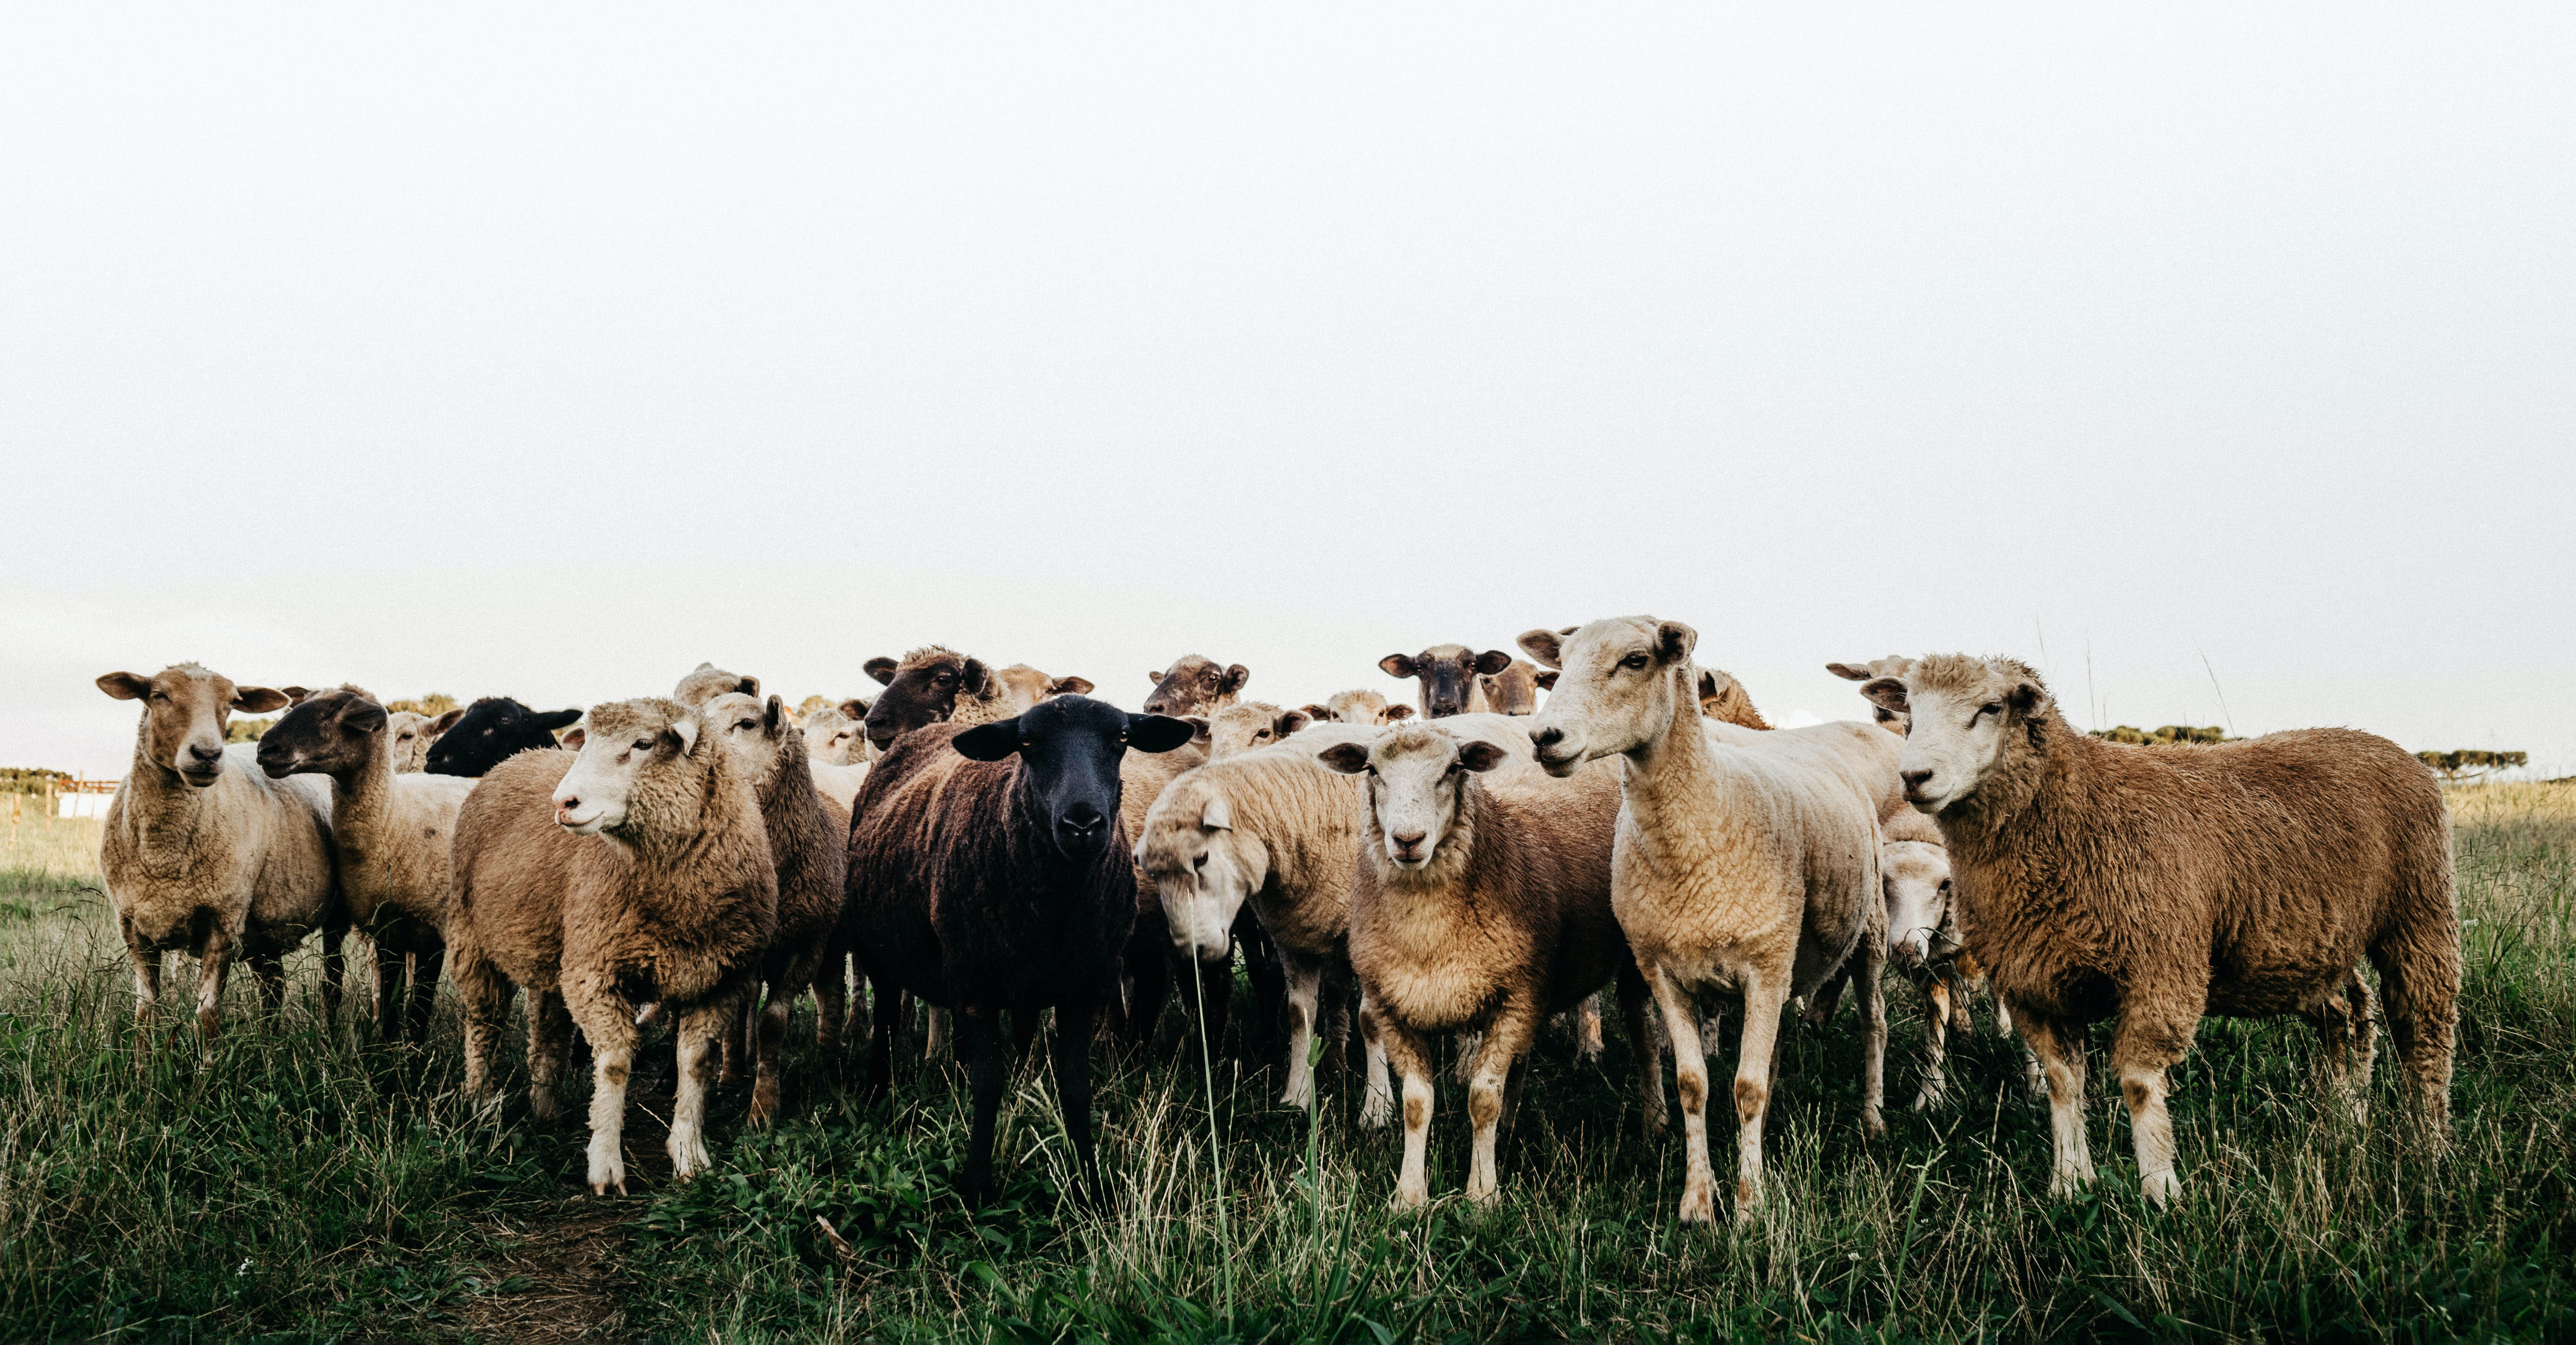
column 304, row 1187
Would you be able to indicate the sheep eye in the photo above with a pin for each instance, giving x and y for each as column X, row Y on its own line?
column 746, row 723
column 1945, row 884
column 1633, row 661
column 1991, row 708
column 644, row 745
column 1199, row 863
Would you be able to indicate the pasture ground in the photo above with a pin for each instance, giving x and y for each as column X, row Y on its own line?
column 303, row 1185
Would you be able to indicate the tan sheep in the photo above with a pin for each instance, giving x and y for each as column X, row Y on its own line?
column 632, row 870
column 808, row 844
column 204, row 855
column 1361, row 707
column 1195, row 685
column 1024, row 686
column 836, row 735
column 1894, row 665
column 1745, row 861
column 1240, row 728
column 391, row 835
column 1449, row 677
column 2159, row 885
column 1273, row 828
column 411, row 734
column 1481, row 904
column 1513, row 691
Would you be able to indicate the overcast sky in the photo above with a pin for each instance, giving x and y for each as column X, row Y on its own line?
column 2222, row 365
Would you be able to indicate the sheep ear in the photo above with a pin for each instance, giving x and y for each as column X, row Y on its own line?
column 1198, row 728
column 1156, row 733
column 363, row 715
column 880, row 668
column 1847, row 672
column 1546, row 679
column 125, row 686
column 988, row 742
column 1316, row 713
column 749, row 686
column 974, row 677
column 703, row 667
column 1399, row 665
column 1545, row 646
column 775, row 721
column 1235, row 676
column 259, row 700
column 685, row 728
column 1070, row 686
column 1155, row 678
column 1707, row 685
column 575, row 737
column 1492, row 661
column 1478, row 755
column 1216, row 816
column 555, row 719
column 1674, row 642
column 446, row 721
column 1348, row 758
column 297, row 695
column 1396, row 712
column 2029, row 700
column 1887, row 693
column 1291, row 721
column 853, row 708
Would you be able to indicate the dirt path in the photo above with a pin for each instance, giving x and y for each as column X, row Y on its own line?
column 572, row 1256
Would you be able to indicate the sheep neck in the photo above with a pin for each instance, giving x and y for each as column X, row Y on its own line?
column 161, row 809
column 1668, row 783
column 1441, row 886
column 2015, row 795
column 362, row 799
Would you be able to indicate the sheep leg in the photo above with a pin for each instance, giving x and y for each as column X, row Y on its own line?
column 733, row 1045
column 147, row 977
column 268, row 973
column 424, row 994
column 1152, row 972
column 388, row 992
column 1690, row 1076
column 1643, row 1047
column 1936, row 1044
column 610, row 1026
column 1825, row 999
column 2141, row 1052
column 2060, row 1052
column 1377, row 1099
column 1587, row 1028
column 213, row 966
column 1469, row 1045
column 1305, row 997
column 1261, row 964
column 335, row 970
column 2419, row 991
column 1764, row 998
column 980, row 1041
column 1873, row 1035
column 1073, row 1092
column 484, row 995
column 699, row 1025
column 831, row 1001
column 1506, row 1039
column 884, row 1016
column 768, row 1045
column 935, row 1039
column 1404, row 1051
column 550, row 1044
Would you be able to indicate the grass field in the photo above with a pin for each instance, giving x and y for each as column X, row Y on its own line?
column 303, row 1186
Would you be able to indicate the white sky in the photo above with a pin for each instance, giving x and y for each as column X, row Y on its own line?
column 2188, row 353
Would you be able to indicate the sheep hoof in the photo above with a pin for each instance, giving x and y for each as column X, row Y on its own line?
column 606, row 1173
column 1376, row 1112
column 2162, row 1188
column 1872, row 1124
column 2067, row 1185
column 1408, row 1200
column 1699, row 1205
column 1928, row 1099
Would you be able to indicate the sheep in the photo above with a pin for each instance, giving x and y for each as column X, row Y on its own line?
column 1024, row 686
column 1724, row 699
column 985, row 874
column 836, row 735
column 1448, row 673
column 839, row 783
column 932, row 684
column 203, row 854
column 1357, row 707
column 1240, row 728
column 1894, row 665
column 1744, row 860
column 2158, row 885
column 1194, row 685
column 707, row 681
column 1153, row 964
column 491, row 731
column 1513, row 691
column 390, row 836
column 808, row 840
column 633, row 868
column 1275, row 830
column 411, row 733
column 1481, row 902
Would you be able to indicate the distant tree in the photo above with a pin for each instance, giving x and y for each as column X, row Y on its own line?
column 433, row 705
column 28, row 779
column 805, row 708
column 2469, row 763
column 246, row 730
column 2166, row 736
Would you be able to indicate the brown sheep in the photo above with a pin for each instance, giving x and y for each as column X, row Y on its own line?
column 1481, row 904
column 932, row 685
column 1241, row 728
column 1448, row 674
column 1513, row 691
column 634, row 869
column 205, row 855
column 1195, row 685
column 2157, row 885
column 808, row 848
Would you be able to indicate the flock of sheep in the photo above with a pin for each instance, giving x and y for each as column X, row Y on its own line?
column 986, row 839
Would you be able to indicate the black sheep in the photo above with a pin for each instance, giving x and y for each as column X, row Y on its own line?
column 988, row 871
column 493, row 730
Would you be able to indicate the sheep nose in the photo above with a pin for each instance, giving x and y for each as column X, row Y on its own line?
column 1406, row 842
column 569, row 803
column 1547, row 738
column 205, row 755
column 1914, row 782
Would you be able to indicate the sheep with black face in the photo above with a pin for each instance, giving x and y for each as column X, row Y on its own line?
column 1450, row 675
column 987, row 873
column 493, row 730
